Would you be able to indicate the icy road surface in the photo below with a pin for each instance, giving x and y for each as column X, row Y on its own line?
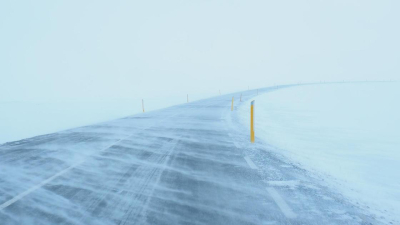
column 187, row 164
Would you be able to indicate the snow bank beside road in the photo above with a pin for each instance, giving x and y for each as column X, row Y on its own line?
column 348, row 133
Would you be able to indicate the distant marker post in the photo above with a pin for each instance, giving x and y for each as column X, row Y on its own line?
column 232, row 104
column 143, row 105
column 252, row 122
column 240, row 97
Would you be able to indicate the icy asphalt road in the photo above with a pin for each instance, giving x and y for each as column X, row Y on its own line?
column 187, row 164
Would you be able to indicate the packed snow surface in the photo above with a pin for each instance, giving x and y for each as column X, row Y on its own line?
column 347, row 133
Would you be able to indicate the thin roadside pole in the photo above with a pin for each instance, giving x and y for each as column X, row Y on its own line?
column 143, row 105
column 252, row 122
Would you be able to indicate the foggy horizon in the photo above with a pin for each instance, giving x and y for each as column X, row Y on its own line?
column 98, row 50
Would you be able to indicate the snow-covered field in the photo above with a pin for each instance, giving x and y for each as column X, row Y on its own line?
column 348, row 134
column 19, row 120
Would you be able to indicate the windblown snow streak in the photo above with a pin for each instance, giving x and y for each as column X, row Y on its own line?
column 188, row 164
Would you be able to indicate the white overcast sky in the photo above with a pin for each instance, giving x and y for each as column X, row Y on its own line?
column 74, row 49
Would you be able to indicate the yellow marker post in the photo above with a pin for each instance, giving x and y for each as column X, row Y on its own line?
column 252, row 122
column 142, row 105
column 232, row 105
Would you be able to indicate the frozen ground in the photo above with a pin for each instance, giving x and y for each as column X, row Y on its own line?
column 187, row 164
column 348, row 133
column 20, row 120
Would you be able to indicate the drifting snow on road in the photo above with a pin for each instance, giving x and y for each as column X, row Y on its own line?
column 187, row 164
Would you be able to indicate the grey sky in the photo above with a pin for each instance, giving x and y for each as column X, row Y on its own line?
column 52, row 50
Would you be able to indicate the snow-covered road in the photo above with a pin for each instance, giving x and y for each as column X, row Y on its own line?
column 187, row 164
